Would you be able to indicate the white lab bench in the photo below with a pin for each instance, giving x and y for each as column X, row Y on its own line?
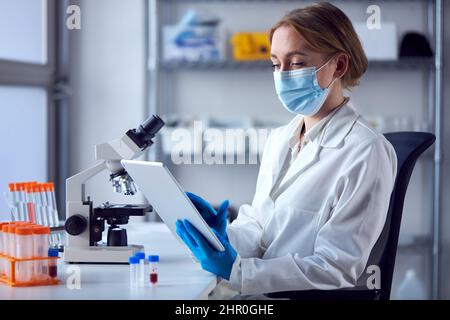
column 179, row 276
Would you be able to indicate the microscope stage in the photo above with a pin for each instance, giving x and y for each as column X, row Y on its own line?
column 100, row 254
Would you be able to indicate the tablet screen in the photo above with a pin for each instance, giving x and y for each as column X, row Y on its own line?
column 168, row 199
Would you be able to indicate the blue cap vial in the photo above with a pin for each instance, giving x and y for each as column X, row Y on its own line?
column 153, row 258
column 133, row 260
column 140, row 255
column 52, row 252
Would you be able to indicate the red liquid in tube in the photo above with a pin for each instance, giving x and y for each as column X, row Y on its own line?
column 153, row 278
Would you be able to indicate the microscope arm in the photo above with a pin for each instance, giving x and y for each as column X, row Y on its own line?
column 75, row 184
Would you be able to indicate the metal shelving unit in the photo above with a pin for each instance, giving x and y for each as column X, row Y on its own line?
column 266, row 65
column 158, row 71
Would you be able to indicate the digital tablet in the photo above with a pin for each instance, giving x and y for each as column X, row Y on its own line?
column 168, row 199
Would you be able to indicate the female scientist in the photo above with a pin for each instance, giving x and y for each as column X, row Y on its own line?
column 325, row 179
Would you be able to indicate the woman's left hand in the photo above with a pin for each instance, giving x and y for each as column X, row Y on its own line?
column 215, row 219
column 219, row 263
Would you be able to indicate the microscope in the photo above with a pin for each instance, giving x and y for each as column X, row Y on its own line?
column 84, row 224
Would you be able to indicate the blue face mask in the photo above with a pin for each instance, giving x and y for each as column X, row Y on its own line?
column 299, row 90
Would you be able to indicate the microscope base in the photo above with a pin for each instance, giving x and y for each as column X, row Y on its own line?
column 100, row 254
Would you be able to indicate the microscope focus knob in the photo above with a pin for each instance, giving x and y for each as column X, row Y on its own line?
column 76, row 225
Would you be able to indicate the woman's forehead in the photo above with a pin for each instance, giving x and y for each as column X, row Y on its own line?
column 287, row 41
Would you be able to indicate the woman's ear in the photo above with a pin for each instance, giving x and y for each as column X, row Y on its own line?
column 342, row 61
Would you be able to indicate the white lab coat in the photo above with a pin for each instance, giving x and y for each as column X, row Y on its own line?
column 319, row 232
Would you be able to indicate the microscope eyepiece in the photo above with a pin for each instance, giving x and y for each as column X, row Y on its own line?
column 152, row 125
column 142, row 137
column 144, row 134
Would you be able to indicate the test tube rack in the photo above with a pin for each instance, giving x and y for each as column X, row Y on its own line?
column 10, row 279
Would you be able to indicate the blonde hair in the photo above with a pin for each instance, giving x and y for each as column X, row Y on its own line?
column 328, row 30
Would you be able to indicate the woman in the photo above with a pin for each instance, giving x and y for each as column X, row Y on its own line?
column 325, row 179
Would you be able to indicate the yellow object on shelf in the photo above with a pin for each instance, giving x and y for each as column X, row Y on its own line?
column 250, row 46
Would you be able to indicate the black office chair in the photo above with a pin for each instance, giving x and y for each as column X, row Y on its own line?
column 408, row 147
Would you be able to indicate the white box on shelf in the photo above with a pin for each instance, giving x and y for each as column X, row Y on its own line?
column 379, row 44
column 194, row 43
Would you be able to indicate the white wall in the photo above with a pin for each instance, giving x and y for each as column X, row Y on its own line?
column 108, row 78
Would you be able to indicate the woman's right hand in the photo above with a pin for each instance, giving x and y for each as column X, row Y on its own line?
column 215, row 219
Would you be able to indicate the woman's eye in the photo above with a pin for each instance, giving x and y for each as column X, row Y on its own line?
column 275, row 66
column 297, row 64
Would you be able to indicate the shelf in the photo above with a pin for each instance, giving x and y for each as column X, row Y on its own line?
column 216, row 65
column 403, row 63
column 406, row 63
column 417, row 244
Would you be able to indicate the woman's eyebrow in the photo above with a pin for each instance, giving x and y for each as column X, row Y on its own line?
column 290, row 54
column 296, row 52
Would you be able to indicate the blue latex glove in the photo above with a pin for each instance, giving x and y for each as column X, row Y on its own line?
column 216, row 220
column 219, row 263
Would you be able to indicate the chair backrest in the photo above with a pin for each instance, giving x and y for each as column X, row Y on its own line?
column 408, row 147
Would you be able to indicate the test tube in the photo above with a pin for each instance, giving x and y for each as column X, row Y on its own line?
column 33, row 193
column 40, row 205
column 134, row 261
column 29, row 250
column 153, row 261
column 5, row 246
column 5, row 237
column 11, row 240
column 20, row 192
column 45, row 205
column 141, row 268
column 52, row 263
column 40, row 209
column 29, row 198
column 48, row 196
column 11, row 199
column 2, row 248
column 46, row 209
column 53, row 202
column 24, row 250
column 41, row 243
column 54, row 209
column 5, row 232
column 36, row 249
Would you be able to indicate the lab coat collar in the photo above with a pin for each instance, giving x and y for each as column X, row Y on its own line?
column 336, row 127
column 334, row 132
column 282, row 147
column 339, row 126
column 312, row 133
